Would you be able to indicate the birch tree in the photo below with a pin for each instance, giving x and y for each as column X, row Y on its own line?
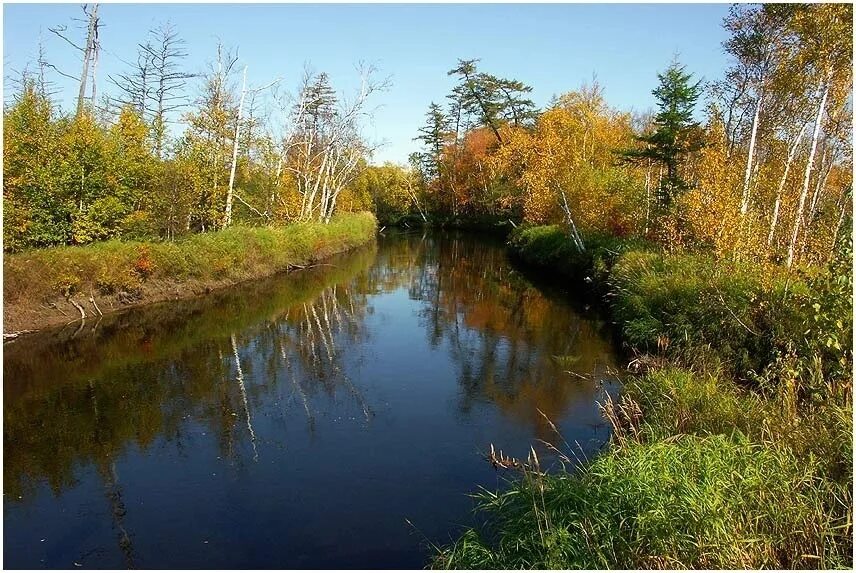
column 328, row 143
column 824, row 32
column 756, row 35
column 206, row 142
column 230, row 191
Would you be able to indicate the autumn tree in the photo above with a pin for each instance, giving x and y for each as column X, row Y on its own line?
column 207, row 142
column 755, row 43
column 34, row 212
column 568, row 170
column 825, row 36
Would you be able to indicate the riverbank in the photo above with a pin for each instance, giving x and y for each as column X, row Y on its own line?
column 498, row 226
column 732, row 448
column 51, row 287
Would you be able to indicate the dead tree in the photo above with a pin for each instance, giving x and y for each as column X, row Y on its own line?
column 166, row 50
column 89, row 50
column 135, row 85
column 156, row 83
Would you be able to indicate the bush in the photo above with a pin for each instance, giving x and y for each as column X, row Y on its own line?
column 102, row 220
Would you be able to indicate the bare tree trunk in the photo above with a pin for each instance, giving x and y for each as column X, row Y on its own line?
column 228, row 219
column 798, row 216
column 791, row 154
column 747, row 179
column 574, row 234
column 96, row 47
column 87, row 56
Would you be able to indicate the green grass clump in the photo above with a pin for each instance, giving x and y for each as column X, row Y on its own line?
column 713, row 476
column 754, row 322
column 677, row 401
column 689, row 502
column 689, row 305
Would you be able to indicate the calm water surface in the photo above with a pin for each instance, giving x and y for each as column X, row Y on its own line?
column 336, row 417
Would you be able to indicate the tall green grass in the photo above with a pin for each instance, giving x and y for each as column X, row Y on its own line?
column 690, row 502
column 234, row 254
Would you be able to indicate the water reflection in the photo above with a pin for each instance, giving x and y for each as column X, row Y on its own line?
column 365, row 386
column 514, row 347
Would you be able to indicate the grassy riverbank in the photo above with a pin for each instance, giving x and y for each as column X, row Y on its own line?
column 732, row 450
column 42, row 287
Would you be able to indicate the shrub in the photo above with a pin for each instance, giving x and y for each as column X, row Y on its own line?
column 102, row 220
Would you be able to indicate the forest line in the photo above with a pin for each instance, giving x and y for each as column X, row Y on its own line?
column 757, row 164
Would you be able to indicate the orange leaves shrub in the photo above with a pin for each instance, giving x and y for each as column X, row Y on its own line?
column 144, row 266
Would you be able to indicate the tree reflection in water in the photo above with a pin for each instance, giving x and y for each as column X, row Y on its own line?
column 514, row 347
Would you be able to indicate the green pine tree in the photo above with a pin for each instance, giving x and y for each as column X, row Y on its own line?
column 672, row 139
column 434, row 134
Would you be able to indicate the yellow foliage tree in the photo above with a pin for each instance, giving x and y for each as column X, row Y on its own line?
column 570, row 157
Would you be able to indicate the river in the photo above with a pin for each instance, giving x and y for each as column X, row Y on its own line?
column 336, row 417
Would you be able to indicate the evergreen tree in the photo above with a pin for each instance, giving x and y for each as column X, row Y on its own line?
column 491, row 100
column 672, row 139
column 320, row 101
column 434, row 135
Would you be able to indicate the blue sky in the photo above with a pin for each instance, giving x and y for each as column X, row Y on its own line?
column 553, row 48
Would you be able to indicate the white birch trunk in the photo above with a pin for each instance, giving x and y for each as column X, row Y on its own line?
column 228, row 219
column 820, row 185
column 647, row 196
column 777, row 206
column 807, row 177
column 574, row 234
column 747, row 179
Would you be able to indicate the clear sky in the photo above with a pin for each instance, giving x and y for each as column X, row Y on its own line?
column 553, row 48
